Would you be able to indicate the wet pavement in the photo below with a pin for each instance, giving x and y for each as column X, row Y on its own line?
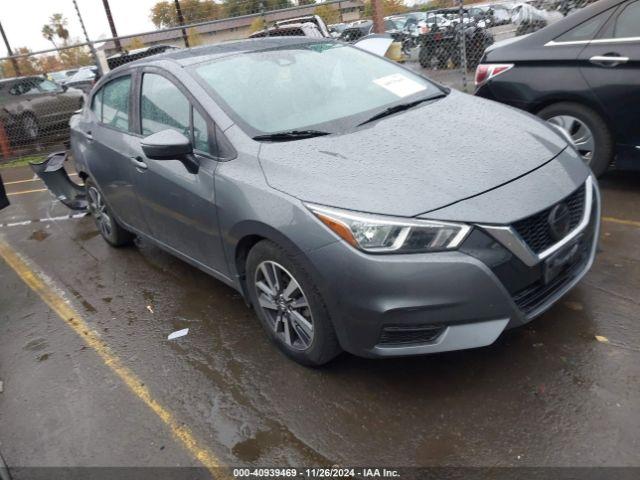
column 548, row 394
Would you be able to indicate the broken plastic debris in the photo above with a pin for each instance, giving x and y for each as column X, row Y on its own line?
column 602, row 339
column 149, row 308
column 178, row 334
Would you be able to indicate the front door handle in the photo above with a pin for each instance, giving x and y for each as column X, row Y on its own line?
column 138, row 162
column 608, row 60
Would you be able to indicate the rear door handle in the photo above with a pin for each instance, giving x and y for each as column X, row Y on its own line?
column 608, row 60
column 138, row 162
column 88, row 135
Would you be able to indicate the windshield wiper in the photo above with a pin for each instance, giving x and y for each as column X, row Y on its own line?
column 289, row 135
column 399, row 108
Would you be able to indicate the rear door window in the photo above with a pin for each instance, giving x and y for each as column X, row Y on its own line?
column 628, row 22
column 586, row 30
column 115, row 103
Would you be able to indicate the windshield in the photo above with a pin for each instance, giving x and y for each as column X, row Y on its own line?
column 323, row 86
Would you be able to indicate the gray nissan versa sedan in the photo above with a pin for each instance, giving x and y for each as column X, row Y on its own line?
column 296, row 171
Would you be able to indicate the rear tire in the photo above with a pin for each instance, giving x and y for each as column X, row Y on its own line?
column 603, row 145
column 107, row 225
column 289, row 305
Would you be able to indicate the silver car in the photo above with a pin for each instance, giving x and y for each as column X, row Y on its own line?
column 355, row 204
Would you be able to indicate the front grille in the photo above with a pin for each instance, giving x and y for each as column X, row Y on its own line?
column 409, row 335
column 536, row 295
column 535, row 231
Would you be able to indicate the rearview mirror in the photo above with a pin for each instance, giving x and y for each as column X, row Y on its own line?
column 170, row 145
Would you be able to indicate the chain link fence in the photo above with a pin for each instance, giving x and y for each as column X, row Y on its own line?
column 443, row 39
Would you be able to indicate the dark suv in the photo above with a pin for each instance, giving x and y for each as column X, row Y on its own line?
column 581, row 74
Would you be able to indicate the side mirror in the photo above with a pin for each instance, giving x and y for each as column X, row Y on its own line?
column 64, row 87
column 170, row 145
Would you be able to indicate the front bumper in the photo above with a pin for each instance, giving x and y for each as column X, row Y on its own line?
column 397, row 305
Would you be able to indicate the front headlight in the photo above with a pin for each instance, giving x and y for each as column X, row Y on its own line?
column 380, row 234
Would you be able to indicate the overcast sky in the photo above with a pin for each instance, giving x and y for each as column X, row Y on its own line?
column 23, row 19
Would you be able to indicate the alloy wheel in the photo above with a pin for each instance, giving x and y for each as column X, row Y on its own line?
column 98, row 209
column 579, row 132
column 284, row 304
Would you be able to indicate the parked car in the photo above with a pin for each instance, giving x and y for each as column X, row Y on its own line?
column 61, row 76
column 315, row 19
column 336, row 29
column 118, row 59
column 441, row 42
column 529, row 19
column 305, row 186
column 33, row 106
column 501, row 14
column 307, row 29
column 361, row 29
column 581, row 74
column 83, row 79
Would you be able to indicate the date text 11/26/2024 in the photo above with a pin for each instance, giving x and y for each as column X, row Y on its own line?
column 332, row 472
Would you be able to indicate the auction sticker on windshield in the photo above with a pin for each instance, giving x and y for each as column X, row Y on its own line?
column 400, row 85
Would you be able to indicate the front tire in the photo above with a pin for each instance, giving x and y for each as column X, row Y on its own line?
column 588, row 131
column 107, row 225
column 289, row 305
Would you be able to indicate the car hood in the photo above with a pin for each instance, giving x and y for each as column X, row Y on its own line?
column 420, row 160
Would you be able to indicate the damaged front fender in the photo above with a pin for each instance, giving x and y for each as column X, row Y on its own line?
column 55, row 177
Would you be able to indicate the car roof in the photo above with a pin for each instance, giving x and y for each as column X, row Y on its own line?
column 190, row 56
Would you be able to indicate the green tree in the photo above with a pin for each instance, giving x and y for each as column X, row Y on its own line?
column 76, row 57
column 135, row 44
column 163, row 14
column 329, row 14
column 234, row 8
column 194, row 37
column 257, row 25
column 56, row 28
column 27, row 65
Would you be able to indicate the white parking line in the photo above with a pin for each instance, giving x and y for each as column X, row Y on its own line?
column 44, row 220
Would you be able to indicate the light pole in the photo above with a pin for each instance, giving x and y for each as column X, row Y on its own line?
column 9, row 51
column 112, row 25
column 181, row 22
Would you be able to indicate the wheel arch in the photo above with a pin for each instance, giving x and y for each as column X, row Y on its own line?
column 246, row 235
column 579, row 100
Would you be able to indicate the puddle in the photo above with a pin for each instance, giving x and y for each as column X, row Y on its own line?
column 249, row 450
column 39, row 235
column 44, row 357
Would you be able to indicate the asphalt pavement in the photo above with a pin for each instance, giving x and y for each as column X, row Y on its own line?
column 90, row 379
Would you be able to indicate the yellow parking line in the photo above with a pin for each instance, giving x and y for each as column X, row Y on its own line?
column 621, row 221
column 37, row 282
column 27, row 191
